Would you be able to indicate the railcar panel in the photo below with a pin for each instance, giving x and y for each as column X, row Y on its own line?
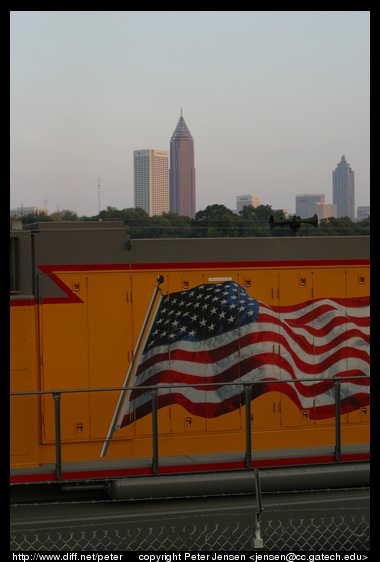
column 80, row 293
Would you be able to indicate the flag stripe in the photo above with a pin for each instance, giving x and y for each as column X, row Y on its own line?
column 218, row 334
column 224, row 404
column 196, row 359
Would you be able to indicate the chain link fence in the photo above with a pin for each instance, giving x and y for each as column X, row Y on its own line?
column 344, row 530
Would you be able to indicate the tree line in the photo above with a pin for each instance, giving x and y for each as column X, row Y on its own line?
column 215, row 221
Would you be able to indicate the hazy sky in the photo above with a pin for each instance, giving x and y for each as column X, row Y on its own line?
column 272, row 99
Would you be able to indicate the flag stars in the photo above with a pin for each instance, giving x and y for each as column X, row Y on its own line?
column 187, row 314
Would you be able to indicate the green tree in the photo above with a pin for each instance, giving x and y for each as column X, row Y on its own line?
column 110, row 214
column 36, row 217
column 216, row 221
column 213, row 221
column 254, row 221
column 64, row 215
column 159, row 227
column 181, row 225
column 137, row 222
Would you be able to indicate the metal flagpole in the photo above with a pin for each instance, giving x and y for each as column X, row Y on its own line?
column 160, row 279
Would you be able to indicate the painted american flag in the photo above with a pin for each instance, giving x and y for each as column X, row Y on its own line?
column 218, row 334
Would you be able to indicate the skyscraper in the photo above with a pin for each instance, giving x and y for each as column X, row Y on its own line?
column 151, row 180
column 344, row 189
column 182, row 171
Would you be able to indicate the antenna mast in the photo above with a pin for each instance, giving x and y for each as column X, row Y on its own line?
column 98, row 195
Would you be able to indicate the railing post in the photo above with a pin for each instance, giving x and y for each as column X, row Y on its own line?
column 248, row 454
column 57, row 419
column 337, row 384
column 257, row 539
column 155, row 431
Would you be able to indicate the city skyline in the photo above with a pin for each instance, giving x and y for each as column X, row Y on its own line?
column 157, row 188
column 306, row 204
column 272, row 99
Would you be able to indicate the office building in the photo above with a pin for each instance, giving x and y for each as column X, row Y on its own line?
column 306, row 202
column 309, row 204
column 325, row 210
column 182, row 171
column 363, row 212
column 151, row 181
column 246, row 200
column 344, row 189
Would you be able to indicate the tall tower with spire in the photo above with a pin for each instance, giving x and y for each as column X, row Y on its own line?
column 182, row 171
column 344, row 189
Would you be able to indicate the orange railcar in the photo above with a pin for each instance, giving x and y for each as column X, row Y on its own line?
column 80, row 296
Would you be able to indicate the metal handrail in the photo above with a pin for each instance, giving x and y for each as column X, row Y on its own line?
column 57, row 394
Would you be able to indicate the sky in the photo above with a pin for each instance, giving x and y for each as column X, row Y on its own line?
column 273, row 100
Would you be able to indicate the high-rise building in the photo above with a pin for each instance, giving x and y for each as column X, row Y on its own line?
column 182, row 171
column 151, row 180
column 309, row 204
column 344, row 189
column 245, row 200
column 305, row 204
